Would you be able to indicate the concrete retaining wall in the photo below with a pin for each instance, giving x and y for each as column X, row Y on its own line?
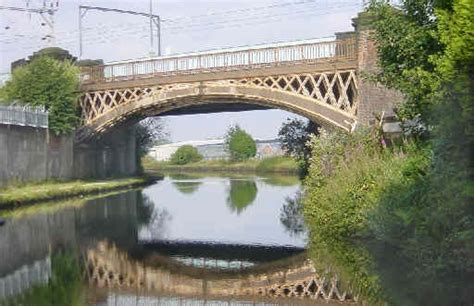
column 114, row 154
column 34, row 154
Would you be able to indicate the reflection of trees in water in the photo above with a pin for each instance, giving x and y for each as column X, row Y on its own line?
column 187, row 187
column 185, row 176
column 157, row 220
column 113, row 218
column 145, row 209
column 291, row 215
column 281, row 180
column 242, row 193
column 185, row 183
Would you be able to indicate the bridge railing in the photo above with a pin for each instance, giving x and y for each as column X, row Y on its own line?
column 220, row 61
column 24, row 116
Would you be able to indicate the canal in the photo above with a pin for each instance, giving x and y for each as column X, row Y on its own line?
column 186, row 240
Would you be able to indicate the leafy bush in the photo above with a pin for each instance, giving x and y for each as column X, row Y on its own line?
column 283, row 164
column 241, row 144
column 426, row 51
column 50, row 83
column 185, row 154
column 346, row 176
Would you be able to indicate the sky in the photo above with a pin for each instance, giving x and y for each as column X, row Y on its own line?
column 187, row 26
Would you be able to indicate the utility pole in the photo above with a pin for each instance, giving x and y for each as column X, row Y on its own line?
column 50, row 7
column 151, row 27
column 154, row 19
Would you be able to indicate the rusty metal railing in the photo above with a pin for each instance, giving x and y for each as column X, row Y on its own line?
column 220, row 60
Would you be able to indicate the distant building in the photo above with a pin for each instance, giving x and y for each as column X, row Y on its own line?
column 4, row 77
column 215, row 149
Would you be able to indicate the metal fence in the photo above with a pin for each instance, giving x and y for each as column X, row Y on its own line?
column 24, row 116
column 220, row 60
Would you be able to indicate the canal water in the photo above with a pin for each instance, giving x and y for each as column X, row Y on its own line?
column 201, row 240
column 186, row 240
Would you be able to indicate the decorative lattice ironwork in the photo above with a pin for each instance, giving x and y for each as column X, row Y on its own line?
column 107, row 266
column 336, row 89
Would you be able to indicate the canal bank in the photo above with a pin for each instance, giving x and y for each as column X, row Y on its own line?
column 15, row 196
column 280, row 164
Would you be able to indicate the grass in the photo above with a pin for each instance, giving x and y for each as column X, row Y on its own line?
column 49, row 207
column 15, row 195
column 279, row 164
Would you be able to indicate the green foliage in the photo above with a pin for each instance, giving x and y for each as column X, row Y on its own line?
column 185, row 154
column 347, row 175
column 277, row 164
column 281, row 164
column 416, row 200
column 352, row 263
column 147, row 132
column 17, row 195
column 407, row 43
column 242, row 194
column 241, row 145
column 294, row 135
column 50, row 83
column 433, row 220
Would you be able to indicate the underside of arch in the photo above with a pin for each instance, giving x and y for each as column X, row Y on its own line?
column 205, row 93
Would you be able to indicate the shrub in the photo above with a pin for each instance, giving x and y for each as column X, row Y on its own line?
column 241, row 145
column 278, row 164
column 185, row 154
column 50, row 83
column 344, row 181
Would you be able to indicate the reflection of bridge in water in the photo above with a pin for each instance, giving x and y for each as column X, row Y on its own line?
column 108, row 267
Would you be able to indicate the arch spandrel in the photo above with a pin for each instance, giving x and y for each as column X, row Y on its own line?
column 327, row 98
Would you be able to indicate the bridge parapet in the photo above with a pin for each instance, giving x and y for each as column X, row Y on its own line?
column 320, row 80
column 222, row 60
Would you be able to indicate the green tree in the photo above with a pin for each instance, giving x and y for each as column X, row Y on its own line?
column 148, row 132
column 185, row 154
column 427, row 52
column 294, row 135
column 50, row 83
column 241, row 145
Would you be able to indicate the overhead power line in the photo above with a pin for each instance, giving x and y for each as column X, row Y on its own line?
column 46, row 12
column 108, row 37
column 83, row 9
column 258, row 17
column 129, row 27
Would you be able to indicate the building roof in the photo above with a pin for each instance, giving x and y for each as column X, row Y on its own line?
column 197, row 143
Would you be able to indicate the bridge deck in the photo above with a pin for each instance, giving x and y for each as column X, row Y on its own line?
column 234, row 63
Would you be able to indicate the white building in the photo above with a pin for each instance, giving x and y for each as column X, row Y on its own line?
column 215, row 149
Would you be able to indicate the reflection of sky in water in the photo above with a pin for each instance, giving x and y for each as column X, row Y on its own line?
column 203, row 262
column 210, row 213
